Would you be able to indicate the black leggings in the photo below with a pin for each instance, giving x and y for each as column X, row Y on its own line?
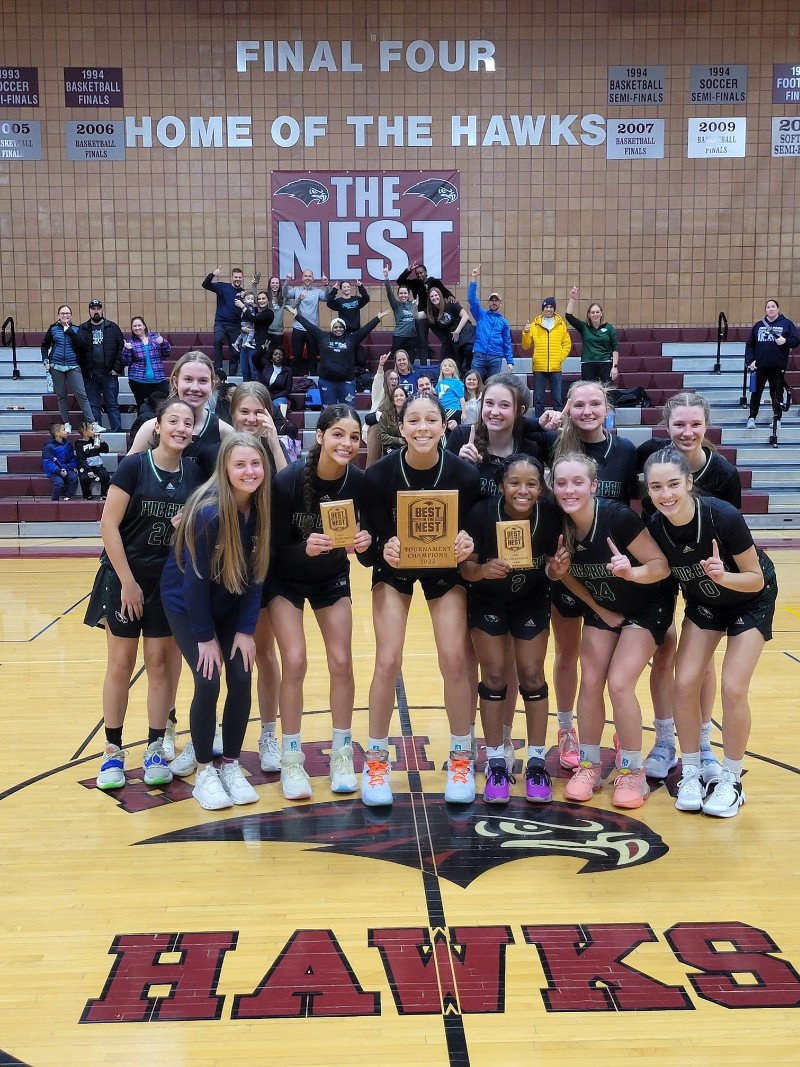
column 773, row 375
column 203, row 712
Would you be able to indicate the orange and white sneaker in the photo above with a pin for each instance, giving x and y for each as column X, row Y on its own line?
column 584, row 783
column 630, row 788
column 460, row 788
column 375, row 788
column 568, row 750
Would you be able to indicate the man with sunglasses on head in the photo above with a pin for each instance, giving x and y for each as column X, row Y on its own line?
column 102, row 364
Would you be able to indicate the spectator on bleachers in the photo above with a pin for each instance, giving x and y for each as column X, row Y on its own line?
column 406, row 374
column 404, row 335
column 449, row 321
column 144, row 355
column 89, row 450
column 276, row 302
column 347, row 305
column 103, row 364
column 492, row 345
column 473, row 387
column 599, row 347
column 419, row 284
column 551, row 342
column 277, row 377
column 59, row 463
column 767, row 353
column 306, row 299
column 62, row 348
column 337, row 370
column 388, row 425
column 384, row 382
column 450, row 390
column 227, row 317
column 245, row 343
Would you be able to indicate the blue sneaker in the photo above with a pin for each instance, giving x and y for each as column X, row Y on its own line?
column 156, row 771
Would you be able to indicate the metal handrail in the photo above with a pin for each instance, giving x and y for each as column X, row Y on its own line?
column 15, row 373
column 722, row 335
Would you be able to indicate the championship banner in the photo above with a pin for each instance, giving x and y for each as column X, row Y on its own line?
column 347, row 225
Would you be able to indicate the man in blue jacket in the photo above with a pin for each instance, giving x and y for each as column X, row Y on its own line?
column 492, row 333
column 227, row 317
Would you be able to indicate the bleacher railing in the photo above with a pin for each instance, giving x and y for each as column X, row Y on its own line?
column 10, row 338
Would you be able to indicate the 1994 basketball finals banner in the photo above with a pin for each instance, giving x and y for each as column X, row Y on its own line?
column 347, row 225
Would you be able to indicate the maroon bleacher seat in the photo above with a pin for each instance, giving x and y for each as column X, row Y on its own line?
column 38, row 510
column 15, row 485
column 9, row 511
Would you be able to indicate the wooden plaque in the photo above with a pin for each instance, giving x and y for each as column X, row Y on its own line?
column 514, row 543
column 339, row 522
column 427, row 524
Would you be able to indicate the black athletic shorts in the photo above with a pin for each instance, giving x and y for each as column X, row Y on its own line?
column 656, row 616
column 521, row 617
column 105, row 607
column 564, row 602
column 733, row 619
column 321, row 595
column 434, row 587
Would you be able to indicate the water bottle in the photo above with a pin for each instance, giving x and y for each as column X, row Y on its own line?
column 610, row 420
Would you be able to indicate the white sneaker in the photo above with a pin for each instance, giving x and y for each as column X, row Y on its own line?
column 375, row 788
column 112, row 769
column 751, row 424
column 208, row 790
column 460, row 788
column 169, row 741
column 690, row 791
column 185, row 764
column 236, row 785
column 67, row 427
column 217, row 747
column 97, row 427
column 269, row 752
column 343, row 775
column 295, row 783
column 726, row 797
column 660, row 760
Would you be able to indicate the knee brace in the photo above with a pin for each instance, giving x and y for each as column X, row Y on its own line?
column 485, row 693
column 534, row 694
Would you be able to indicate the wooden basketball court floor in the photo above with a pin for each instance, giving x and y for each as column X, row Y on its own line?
column 138, row 928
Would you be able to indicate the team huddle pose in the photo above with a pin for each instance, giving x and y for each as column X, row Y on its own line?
column 213, row 544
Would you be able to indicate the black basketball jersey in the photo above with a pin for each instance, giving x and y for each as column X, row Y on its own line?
column 205, row 445
column 292, row 523
column 592, row 554
column 545, row 525
column 155, row 497
column 491, row 467
column 391, row 475
column 685, row 546
column 617, row 471
column 717, row 477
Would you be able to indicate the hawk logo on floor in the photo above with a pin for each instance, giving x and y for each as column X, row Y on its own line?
column 466, row 842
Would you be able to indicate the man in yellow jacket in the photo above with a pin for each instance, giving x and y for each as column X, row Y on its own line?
column 551, row 343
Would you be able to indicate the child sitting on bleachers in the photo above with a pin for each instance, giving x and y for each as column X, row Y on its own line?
column 58, row 463
column 88, row 451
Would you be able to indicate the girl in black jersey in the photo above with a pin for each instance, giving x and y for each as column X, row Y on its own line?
column 687, row 417
column 503, row 602
column 251, row 412
column 501, row 430
column 730, row 588
column 583, row 431
column 421, row 465
column 192, row 379
column 146, row 491
column 616, row 564
column 306, row 567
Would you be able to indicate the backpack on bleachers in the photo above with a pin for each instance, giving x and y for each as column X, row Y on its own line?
column 630, row 398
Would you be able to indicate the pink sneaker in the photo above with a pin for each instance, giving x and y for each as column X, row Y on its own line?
column 630, row 788
column 568, row 751
column 584, row 783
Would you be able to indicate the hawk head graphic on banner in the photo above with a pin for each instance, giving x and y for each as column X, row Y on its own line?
column 437, row 190
column 306, row 190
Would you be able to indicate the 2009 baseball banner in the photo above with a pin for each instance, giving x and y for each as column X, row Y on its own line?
column 347, row 225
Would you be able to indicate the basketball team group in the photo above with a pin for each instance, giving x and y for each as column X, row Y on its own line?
column 214, row 543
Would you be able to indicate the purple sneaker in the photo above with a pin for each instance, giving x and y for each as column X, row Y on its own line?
column 496, row 790
column 538, row 787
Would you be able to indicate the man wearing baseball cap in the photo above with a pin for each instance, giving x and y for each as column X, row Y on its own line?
column 104, row 345
column 492, row 333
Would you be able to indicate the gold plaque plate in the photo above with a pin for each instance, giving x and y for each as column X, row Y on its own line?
column 427, row 524
column 339, row 522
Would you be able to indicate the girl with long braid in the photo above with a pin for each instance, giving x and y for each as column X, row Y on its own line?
column 306, row 567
